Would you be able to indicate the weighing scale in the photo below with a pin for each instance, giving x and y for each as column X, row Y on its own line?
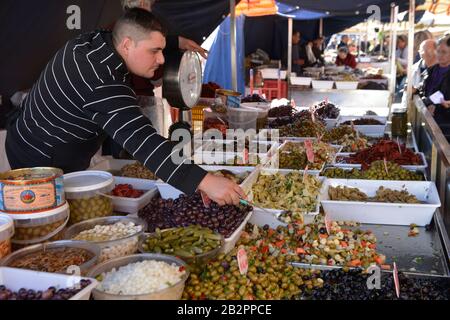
column 182, row 85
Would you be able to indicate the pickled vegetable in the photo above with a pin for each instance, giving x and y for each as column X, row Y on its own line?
column 185, row 242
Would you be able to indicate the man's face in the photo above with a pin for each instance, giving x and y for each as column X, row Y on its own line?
column 401, row 44
column 427, row 51
column 296, row 38
column 342, row 55
column 345, row 39
column 144, row 57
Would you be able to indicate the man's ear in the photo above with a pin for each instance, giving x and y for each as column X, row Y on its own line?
column 126, row 45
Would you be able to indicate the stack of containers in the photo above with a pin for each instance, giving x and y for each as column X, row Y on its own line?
column 87, row 193
column 6, row 233
column 34, row 199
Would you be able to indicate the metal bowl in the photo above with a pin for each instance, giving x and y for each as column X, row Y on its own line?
column 84, row 268
column 173, row 292
column 106, row 246
column 196, row 261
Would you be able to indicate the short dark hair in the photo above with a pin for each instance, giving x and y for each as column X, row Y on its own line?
column 444, row 39
column 134, row 23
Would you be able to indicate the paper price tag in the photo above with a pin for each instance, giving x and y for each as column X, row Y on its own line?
column 242, row 261
column 313, row 117
column 396, row 281
column 327, row 224
column 309, row 150
column 305, row 173
column 293, row 103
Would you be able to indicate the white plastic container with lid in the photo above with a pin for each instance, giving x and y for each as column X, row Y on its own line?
column 16, row 279
column 6, row 233
column 133, row 205
column 86, row 193
column 39, row 227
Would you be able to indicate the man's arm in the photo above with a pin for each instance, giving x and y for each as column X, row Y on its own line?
column 114, row 108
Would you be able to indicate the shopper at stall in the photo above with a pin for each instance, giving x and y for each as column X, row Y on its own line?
column 402, row 50
column 83, row 95
column 345, row 58
column 438, row 83
column 298, row 53
column 344, row 42
column 317, row 49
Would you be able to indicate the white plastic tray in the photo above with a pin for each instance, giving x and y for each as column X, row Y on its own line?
column 272, row 73
column 15, row 279
column 382, row 213
column 112, row 165
column 346, row 85
column 322, row 84
column 231, row 241
column 422, row 167
column 133, row 205
column 251, row 180
column 301, row 81
column 374, row 130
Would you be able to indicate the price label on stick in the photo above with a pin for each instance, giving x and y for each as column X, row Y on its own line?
column 396, row 281
column 293, row 103
column 309, row 150
column 399, row 148
column 385, row 166
column 353, row 125
column 327, row 224
column 313, row 117
column 242, row 261
column 305, row 172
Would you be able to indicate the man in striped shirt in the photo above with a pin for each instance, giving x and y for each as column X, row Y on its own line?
column 83, row 95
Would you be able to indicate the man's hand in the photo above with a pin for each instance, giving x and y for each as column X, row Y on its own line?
column 446, row 104
column 187, row 44
column 431, row 108
column 221, row 190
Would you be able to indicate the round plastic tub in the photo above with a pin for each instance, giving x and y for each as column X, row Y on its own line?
column 173, row 292
column 19, row 257
column 240, row 118
column 263, row 113
column 31, row 190
column 110, row 249
column 6, row 232
column 86, row 193
column 39, row 227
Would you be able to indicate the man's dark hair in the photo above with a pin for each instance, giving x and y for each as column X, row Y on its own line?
column 444, row 39
column 136, row 23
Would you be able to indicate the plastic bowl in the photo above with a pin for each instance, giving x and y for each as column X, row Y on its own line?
column 198, row 260
column 113, row 248
column 91, row 247
column 39, row 227
column 6, row 232
column 171, row 293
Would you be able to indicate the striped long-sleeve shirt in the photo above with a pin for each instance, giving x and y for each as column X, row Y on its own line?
column 83, row 93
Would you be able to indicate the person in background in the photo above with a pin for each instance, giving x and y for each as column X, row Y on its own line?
column 438, row 79
column 419, row 38
column 318, row 51
column 428, row 59
column 402, row 50
column 298, row 53
column 385, row 49
column 345, row 58
column 311, row 58
column 344, row 41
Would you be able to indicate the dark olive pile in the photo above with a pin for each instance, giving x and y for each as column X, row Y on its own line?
column 186, row 211
column 50, row 294
column 282, row 111
column 327, row 110
column 253, row 98
column 352, row 285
